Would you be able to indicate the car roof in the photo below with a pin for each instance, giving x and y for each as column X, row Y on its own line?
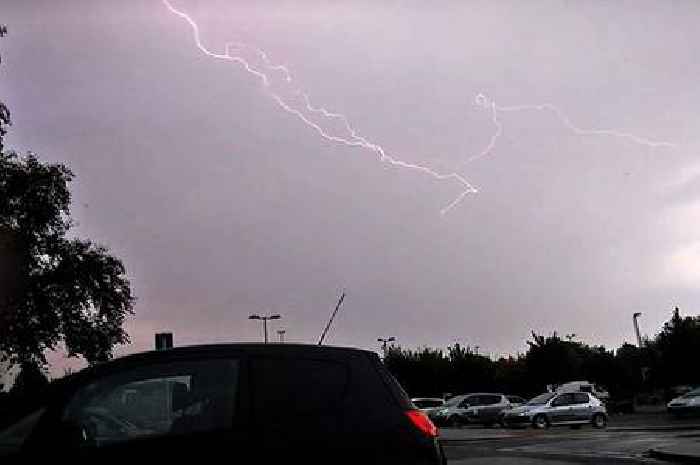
column 275, row 349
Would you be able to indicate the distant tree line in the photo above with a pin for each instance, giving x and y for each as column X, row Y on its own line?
column 664, row 361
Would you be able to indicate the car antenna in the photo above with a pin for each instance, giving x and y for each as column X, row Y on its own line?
column 337, row 306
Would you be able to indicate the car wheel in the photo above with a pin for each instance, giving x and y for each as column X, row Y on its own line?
column 599, row 420
column 540, row 421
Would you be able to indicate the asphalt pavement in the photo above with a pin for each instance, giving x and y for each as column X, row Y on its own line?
column 636, row 439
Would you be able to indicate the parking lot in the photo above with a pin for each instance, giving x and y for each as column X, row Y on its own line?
column 628, row 440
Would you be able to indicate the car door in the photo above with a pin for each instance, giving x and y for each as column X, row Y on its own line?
column 560, row 408
column 581, row 409
column 174, row 410
column 466, row 408
column 297, row 406
column 493, row 405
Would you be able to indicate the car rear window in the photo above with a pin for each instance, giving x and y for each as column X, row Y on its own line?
column 289, row 388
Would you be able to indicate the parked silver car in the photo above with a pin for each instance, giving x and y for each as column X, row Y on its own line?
column 550, row 409
column 687, row 404
column 483, row 408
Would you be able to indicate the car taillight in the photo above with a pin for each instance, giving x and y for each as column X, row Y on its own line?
column 421, row 421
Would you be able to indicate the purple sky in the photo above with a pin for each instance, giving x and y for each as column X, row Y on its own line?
column 222, row 204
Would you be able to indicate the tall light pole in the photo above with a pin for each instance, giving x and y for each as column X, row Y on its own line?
column 281, row 333
column 636, row 328
column 385, row 341
column 264, row 319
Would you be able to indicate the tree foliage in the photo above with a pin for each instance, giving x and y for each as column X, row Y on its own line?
column 56, row 290
column 551, row 360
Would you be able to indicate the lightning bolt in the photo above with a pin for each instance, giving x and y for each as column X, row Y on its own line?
column 233, row 53
column 484, row 102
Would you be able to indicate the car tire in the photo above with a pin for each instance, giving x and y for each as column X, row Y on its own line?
column 540, row 421
column 599, row 421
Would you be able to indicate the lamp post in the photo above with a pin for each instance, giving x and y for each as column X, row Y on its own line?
column 636, row 328
column 385, row 341
column 264, row 319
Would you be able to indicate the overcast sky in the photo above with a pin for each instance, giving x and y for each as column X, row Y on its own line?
column 222, row 204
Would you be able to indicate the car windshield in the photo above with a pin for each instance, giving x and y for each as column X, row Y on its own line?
column 541, row 399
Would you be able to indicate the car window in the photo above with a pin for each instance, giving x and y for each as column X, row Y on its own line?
column 470, row 401
column 173, row 398
column 284, row 390
column 516, row 400
column 562, row 400
column 580, row 398
column 12, row 437
column 586, row 388
column 491, row 399
column 541, row 399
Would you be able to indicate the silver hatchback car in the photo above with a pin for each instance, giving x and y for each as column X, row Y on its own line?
column 550, row 409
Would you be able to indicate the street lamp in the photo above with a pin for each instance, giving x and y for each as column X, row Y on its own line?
column 385, row 342
column 281, row 333
column 636, row 328
column 264, row 319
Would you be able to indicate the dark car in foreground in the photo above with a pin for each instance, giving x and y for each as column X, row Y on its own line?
column 248, row 403
column 552, row 409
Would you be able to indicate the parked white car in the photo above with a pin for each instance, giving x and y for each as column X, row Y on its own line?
column 584, row 386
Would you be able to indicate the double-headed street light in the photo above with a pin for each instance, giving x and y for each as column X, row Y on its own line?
column 385, row 341
column 264, row 319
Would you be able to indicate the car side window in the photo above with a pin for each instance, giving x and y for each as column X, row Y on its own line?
column 284, row 390
column 581, row 398
column 157, row 400
column 470, row 402
column 492, row 400
column 562, row 400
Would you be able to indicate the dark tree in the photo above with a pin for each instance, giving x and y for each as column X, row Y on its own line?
column 676, row 346
column 55, row 290
column 552, row 360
